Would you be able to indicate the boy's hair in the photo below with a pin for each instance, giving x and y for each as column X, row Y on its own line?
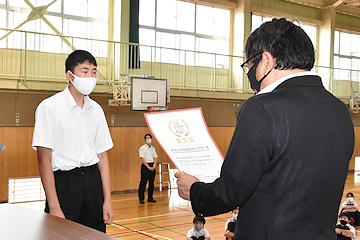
column 199, row 219
column 287, row 43
column 351, row 194
column 78, row 57
column 235, row 209
column 345, row 214
column 148, row 134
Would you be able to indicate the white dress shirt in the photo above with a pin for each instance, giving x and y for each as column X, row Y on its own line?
column 76, row 135
column 148, row 153
column 273, row 85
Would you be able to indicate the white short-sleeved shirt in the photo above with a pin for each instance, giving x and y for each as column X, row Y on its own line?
column 352, row 229
column 228, row 221
column 349, row 203
column 193, row 233
column 76, row 135
column 148, row 153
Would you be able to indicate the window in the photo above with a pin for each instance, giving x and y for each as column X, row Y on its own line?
column 257, row 20
column 346, row 56
column 80, row 18
column 2, row 25
column 187, row 26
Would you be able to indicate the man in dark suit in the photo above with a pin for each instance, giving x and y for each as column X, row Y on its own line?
column 288, row 159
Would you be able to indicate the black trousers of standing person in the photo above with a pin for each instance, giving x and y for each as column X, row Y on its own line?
column 146, row 175
column 80, row 195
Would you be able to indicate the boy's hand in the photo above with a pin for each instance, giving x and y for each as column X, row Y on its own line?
column 108, row 213
column 57, row 212
column 184, row 183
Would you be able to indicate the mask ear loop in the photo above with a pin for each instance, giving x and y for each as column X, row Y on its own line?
column 71, row 73
column 260, row 81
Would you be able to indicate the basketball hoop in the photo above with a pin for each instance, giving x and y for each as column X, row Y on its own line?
column 156, row 108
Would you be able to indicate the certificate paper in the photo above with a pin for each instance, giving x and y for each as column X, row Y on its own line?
column 184, row 136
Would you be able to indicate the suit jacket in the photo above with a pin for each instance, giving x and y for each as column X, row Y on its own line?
column 286, row 164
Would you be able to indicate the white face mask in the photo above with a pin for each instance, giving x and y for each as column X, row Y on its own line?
column 350, row 199
column 148, row 140
column 85, row 85
column 235, row 216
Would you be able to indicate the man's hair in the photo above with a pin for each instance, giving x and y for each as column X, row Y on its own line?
column 345, row 214
column 351, row 194
column 148, row 134
column 287, row 43
column 199, row 219
column 78, row 57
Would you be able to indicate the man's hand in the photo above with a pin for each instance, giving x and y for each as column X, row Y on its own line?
column 337, row 230
column 184, row 183
column 108, row 213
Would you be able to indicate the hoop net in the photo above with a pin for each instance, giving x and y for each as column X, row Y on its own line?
column 156, row 108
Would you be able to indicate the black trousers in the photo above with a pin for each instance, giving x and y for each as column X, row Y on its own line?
column 356, row 217
column 80, row 195
column 198, row 238
column 146, row 175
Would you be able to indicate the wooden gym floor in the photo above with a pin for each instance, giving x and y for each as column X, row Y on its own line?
column 171, row 217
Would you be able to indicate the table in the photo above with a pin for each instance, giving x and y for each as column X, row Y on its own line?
column 23, row 223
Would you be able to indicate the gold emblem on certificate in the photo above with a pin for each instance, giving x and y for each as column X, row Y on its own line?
column 180, row 129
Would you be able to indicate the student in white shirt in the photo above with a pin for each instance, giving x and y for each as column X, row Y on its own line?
column 344, row 230
column 198, row 232
column 351, row 207
column 148, row 159
column 71, row 137
column 230, row 225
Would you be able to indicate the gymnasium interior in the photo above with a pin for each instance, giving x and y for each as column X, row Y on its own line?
column 196, row 45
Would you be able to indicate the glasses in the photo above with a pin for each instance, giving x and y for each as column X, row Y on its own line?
column 245, row 66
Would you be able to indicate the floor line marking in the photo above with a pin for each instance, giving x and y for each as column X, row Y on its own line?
column 150, row 235
column 166, row 228
column 134, row 230
column 161, row 215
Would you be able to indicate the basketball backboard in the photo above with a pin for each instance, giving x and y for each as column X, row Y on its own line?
column 148, row 92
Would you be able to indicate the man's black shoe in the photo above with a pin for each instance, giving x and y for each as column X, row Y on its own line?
column 142, row 201
column 151, row 200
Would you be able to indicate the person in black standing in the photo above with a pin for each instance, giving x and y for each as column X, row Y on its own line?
column 148, row 159
column 290, row 152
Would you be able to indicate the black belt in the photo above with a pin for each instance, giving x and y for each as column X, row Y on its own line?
column 79, row 171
